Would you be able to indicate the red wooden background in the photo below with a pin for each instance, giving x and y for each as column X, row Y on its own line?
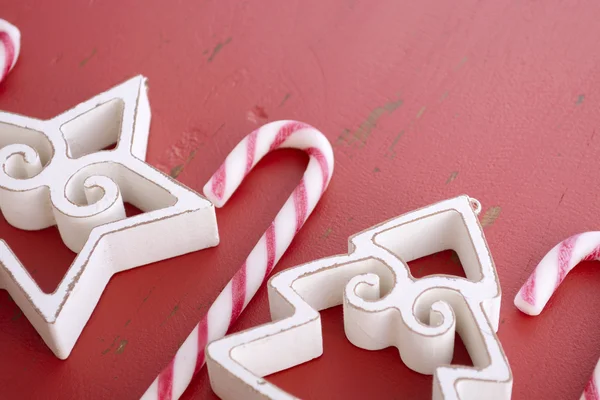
column 423, row 100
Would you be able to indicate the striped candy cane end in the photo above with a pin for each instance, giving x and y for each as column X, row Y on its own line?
column 10, row 52
column 527, row 292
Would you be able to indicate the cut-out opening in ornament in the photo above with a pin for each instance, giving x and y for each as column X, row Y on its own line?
column 433, row 234
column 445, row 262
column 42, row 253
column 131, row 210
column 95, row 130
column 47, row 271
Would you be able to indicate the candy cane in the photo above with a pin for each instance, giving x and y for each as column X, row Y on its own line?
column 10, row 44
column 173, row 380
column 549, row 274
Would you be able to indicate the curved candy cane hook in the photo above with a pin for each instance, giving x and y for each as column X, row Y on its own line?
column 173, row 380
column 10, row 45
column 550, row 273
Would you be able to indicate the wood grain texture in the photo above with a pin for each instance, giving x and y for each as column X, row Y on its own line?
column 423, row 101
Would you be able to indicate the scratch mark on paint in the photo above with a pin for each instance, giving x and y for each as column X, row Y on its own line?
column 452, row 177
column 327, row 233
column 218, row 48
column 128, row 321
column 490, row 216
column 392, row 149
column 461, row 63
column 171, row 314
column 107, row 350
column 178, row 169
column 562, row 197
column 376, row 169
column 362, row 133
column 420, row 113
column 148, row 295
column 444, row 96
column 121, row 347
column 580, row 99
column 285, row 99
column 88, row 58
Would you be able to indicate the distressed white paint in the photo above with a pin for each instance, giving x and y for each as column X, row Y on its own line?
column 383, row 306
column 55, row 172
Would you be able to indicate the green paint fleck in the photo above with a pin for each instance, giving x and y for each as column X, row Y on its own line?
column 285, row 99
column 218, row 48
column 452, row 177
column 88, row 58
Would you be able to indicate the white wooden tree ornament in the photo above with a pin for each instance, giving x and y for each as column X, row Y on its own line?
column 384, row 305
column 56, row 172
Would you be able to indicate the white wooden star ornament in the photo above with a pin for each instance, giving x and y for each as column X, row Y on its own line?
column 55, row 172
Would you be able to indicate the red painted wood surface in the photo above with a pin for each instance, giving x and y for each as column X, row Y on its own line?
column 422, row 100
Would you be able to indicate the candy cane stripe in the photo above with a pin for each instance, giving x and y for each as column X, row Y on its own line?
column 202, row 340
column 250, row 150
column 565, row 253
column 227, row 308
column 285, row 132
column 271, row 249
column 238, row 294
column 591, row 390
column 300, row 204
column 165, row 383
column 594, row 255
column 529, row 290
column 218, row 182
column 320, row 157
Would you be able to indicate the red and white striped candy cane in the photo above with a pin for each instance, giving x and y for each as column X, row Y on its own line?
column 549, row 274
column 10, row 45
column 173, row 380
